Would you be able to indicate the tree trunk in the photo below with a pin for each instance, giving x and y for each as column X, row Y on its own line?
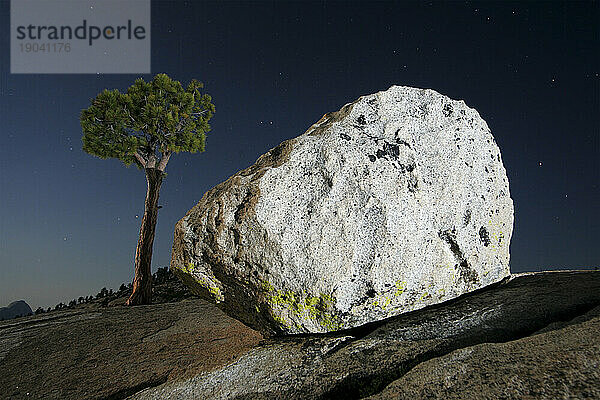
column 142, row 282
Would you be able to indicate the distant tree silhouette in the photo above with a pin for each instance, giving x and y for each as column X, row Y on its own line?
column 122, row 288
column 103, row 293
column 162, row 275
column 39, row 310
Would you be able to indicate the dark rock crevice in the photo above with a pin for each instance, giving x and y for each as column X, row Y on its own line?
column 467, row 274
column 484, row 236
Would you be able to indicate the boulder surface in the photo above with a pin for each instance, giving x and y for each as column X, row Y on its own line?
column 398, row 201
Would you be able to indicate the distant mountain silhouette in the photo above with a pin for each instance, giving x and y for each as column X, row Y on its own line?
column 15, row 309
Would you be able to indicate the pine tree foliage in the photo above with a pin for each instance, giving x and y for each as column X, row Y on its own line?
column 148, row 123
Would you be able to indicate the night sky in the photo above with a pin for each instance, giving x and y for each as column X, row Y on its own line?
column 69, row 222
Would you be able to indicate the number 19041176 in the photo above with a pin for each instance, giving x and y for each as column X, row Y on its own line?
column 45, row 47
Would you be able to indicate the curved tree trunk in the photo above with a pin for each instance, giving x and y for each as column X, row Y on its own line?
column 142, row 282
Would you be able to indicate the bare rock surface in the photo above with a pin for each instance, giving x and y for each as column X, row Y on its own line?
column 512, row 339
column 113, row 352
column 559, row 363
column 398, row 201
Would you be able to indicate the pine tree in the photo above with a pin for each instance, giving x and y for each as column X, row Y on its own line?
column 145, row 126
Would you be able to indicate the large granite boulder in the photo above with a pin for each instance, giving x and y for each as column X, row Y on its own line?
column 395, row 202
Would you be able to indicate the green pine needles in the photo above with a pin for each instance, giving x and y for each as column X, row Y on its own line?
column 148, row 123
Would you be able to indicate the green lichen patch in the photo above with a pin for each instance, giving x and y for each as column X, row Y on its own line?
column 441, row 293
column 385, row 299
column 188, row 268
column 400, row 287
column 424, row 296
column 294, row 310
column 204, row 285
